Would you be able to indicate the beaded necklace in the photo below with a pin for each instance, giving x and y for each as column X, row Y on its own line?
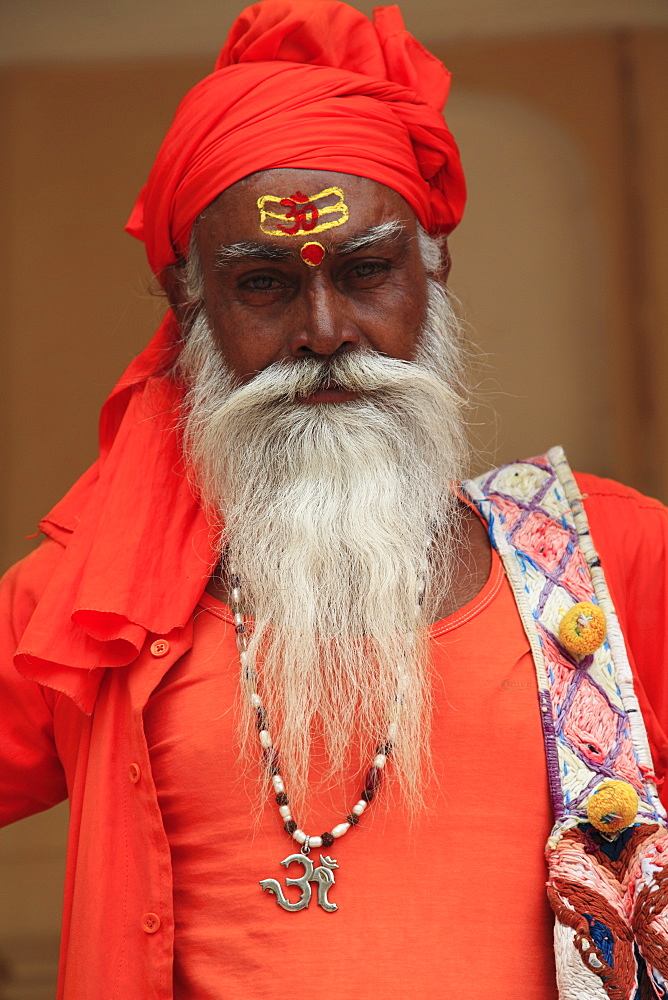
column 321, row 875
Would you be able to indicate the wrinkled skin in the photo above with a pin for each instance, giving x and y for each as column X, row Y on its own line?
column 263, row 311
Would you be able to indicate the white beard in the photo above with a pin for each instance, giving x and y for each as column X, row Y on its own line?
column 328, row 512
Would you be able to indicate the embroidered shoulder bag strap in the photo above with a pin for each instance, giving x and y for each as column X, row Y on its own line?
column 607, row 854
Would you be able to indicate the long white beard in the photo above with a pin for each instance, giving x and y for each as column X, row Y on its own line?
column 336, row 517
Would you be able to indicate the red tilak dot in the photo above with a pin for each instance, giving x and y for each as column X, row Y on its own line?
column 312, row 254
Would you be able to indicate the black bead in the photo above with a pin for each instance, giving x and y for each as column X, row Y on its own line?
column 282, row 799
column 367, row 795
column 373, row 779
column 240, row 629
column 352, row 819
column 384, row 748
column 327, row 839
column 234, row 580
column 290, row 826
column 260, row 718
column 270, row 757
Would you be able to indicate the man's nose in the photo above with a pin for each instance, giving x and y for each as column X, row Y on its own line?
column 323, row 324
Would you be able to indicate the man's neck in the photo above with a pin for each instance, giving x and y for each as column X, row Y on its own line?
column 472, row 564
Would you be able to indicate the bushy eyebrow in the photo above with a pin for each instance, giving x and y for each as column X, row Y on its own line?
column 231, row 254
column 228, row 255
column 383, row 233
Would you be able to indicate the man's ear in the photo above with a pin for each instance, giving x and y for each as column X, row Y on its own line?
column 446, row 264
column 173, row 281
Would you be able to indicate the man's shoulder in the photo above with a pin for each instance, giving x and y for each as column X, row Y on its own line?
column 629, row 529
column 597, row 491
column 622, row 513
column 612, row 493
column 624, row 522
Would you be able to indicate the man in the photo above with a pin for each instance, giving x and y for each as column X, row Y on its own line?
column 268, row 626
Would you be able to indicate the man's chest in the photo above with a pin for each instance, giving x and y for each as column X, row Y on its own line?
column 475, row 854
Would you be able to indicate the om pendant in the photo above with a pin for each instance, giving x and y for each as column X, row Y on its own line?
column 323, row 875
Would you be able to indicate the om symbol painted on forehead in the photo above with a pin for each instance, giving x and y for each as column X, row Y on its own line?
column 301, row 214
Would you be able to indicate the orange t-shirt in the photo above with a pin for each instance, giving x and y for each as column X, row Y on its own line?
column 453, row 907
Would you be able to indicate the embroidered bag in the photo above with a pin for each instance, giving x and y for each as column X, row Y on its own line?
column 607, row 854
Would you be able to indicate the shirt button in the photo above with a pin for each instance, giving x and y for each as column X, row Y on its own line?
column 150, row 922
column 160, row 647
column 135, row 772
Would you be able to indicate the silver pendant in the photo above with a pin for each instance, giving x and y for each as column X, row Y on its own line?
column 323, row 875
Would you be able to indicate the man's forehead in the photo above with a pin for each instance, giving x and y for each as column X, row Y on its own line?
column 279, row 210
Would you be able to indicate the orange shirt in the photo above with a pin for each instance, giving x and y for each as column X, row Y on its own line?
column 478, row 856
column 433, row 911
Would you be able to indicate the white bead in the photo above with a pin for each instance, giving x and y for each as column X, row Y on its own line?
column 392, row 731
column 379, row 760
column 299, row 836
column 359, row 807
column 265, row 739
column 315, row 842
column 238, row 619
column 236, row 595
column 340, row 829
column 256, row 701
column 285, row 812
column 278, row 783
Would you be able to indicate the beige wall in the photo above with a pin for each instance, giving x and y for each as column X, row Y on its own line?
column 560, row 264
column 607, row 95
column 79, row 145
column 63, row 30
column 559, row 261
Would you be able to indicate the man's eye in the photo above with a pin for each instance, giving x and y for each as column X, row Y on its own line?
column 369, row 269
column 261, row 283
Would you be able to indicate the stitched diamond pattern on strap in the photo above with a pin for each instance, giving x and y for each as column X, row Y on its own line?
column 609, row 891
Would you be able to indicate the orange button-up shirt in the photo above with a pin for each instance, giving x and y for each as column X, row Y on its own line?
column 118, row 929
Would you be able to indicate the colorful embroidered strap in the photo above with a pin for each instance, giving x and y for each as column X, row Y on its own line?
column 608, row 851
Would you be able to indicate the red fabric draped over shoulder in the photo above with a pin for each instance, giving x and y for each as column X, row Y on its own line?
column 138, row 549
column 311, row 84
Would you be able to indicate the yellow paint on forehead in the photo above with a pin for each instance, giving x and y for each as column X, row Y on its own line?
column 300, row 214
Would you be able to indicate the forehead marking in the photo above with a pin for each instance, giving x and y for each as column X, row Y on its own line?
column 312, row 253
column 300, row 214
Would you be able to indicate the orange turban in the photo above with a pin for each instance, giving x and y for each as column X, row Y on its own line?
column 311, row 84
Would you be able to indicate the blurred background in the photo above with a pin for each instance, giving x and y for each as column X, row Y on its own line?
column 559, row 107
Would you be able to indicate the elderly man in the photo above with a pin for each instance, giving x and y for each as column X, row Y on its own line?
column 268, row 627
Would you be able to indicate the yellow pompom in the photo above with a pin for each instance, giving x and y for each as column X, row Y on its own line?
column 583, row 629
column 612, row 806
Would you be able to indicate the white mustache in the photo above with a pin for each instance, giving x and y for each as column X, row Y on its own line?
column 355, row 371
